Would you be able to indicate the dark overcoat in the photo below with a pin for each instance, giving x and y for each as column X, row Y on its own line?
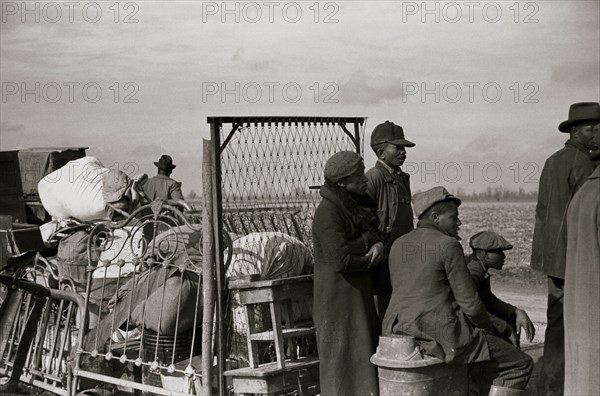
column 434, row 298
column 344, row 310
column 563, row 174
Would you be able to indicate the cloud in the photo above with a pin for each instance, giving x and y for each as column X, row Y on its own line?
column 360, row 89
column 6, row 127
column 582, row 73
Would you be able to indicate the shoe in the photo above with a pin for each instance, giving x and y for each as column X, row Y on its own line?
column 122, row 335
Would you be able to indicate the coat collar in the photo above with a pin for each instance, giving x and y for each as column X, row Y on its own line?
column 485, row 271
column 387, row 172
column 362, row 213
column 433, row 226
column 578, row 146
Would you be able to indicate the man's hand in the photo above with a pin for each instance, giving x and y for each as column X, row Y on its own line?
column 522, row 320
column 513, row 337
column 376, row 254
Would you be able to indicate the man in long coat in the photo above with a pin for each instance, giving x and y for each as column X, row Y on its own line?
column 435, row 301
column 563, row 174
column 582, row 289
column 347, row 245
column 389, row 186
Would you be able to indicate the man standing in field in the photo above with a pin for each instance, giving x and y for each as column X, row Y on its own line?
column 162, row 186
column 435, row 301
column 389, row 186
column 563, row 174
column 582, row 287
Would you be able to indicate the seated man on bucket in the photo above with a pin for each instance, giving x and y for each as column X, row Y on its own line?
column 488, row 252
column 435, row 300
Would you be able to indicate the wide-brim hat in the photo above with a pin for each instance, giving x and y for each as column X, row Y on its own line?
column 424, row 200
column 388, row 132
column 488, row 240
column 165, row 163
column 580, row 113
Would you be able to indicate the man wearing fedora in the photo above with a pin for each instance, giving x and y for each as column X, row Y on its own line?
column 434, row 298
column 162, row 186
column 389, row 186
column 563, row 174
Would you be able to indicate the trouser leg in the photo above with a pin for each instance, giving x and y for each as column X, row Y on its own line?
column 382, row 288
column 508, row 367
column 553, row 368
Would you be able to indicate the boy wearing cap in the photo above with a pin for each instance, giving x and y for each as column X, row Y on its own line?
column 563, row 174
column 435, row 300
column 389, row 186
column 488, row 252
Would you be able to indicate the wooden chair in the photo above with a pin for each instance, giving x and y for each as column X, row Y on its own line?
column 284, row 374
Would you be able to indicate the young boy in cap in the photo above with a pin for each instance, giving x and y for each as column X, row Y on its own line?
column 389, row 186
column 488, row 252
column 563, row 174
column 435, row 301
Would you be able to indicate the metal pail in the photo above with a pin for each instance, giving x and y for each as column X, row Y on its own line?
column 403, row 370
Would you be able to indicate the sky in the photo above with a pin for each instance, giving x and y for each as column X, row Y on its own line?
column 480, row 86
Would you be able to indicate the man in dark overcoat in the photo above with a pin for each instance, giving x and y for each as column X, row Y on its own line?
column 389, row 186
column 563, row 174
column 347, row 244
column 435, row 301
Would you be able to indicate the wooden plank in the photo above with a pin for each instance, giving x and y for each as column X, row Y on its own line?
column 264, row 295
column 278, row 336
column 269, row 369
column 286, row 333
column 244, row 284
column 252, row 352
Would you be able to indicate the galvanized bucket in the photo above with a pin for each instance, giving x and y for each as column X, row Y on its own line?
column 404, row 370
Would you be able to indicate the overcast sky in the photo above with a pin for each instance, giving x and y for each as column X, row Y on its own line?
column 161, row 75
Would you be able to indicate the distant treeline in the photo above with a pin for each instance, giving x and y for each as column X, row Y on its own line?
column 497, row 194
column 490, row 194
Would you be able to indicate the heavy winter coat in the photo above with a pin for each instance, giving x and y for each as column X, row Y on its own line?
column 582, row 291
column 392, row 194
column 434, row 298
column 563, row 174
column 344, row 310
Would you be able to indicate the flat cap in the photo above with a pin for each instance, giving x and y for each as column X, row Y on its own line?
column 488, row 240
column 426, row 199
column 388, row 132
column 341, row 165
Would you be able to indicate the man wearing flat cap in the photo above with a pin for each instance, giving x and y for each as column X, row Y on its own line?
column 435, row 300
column 162, row 186
column 488, row 253
column 563, row 174
column 389, row 186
